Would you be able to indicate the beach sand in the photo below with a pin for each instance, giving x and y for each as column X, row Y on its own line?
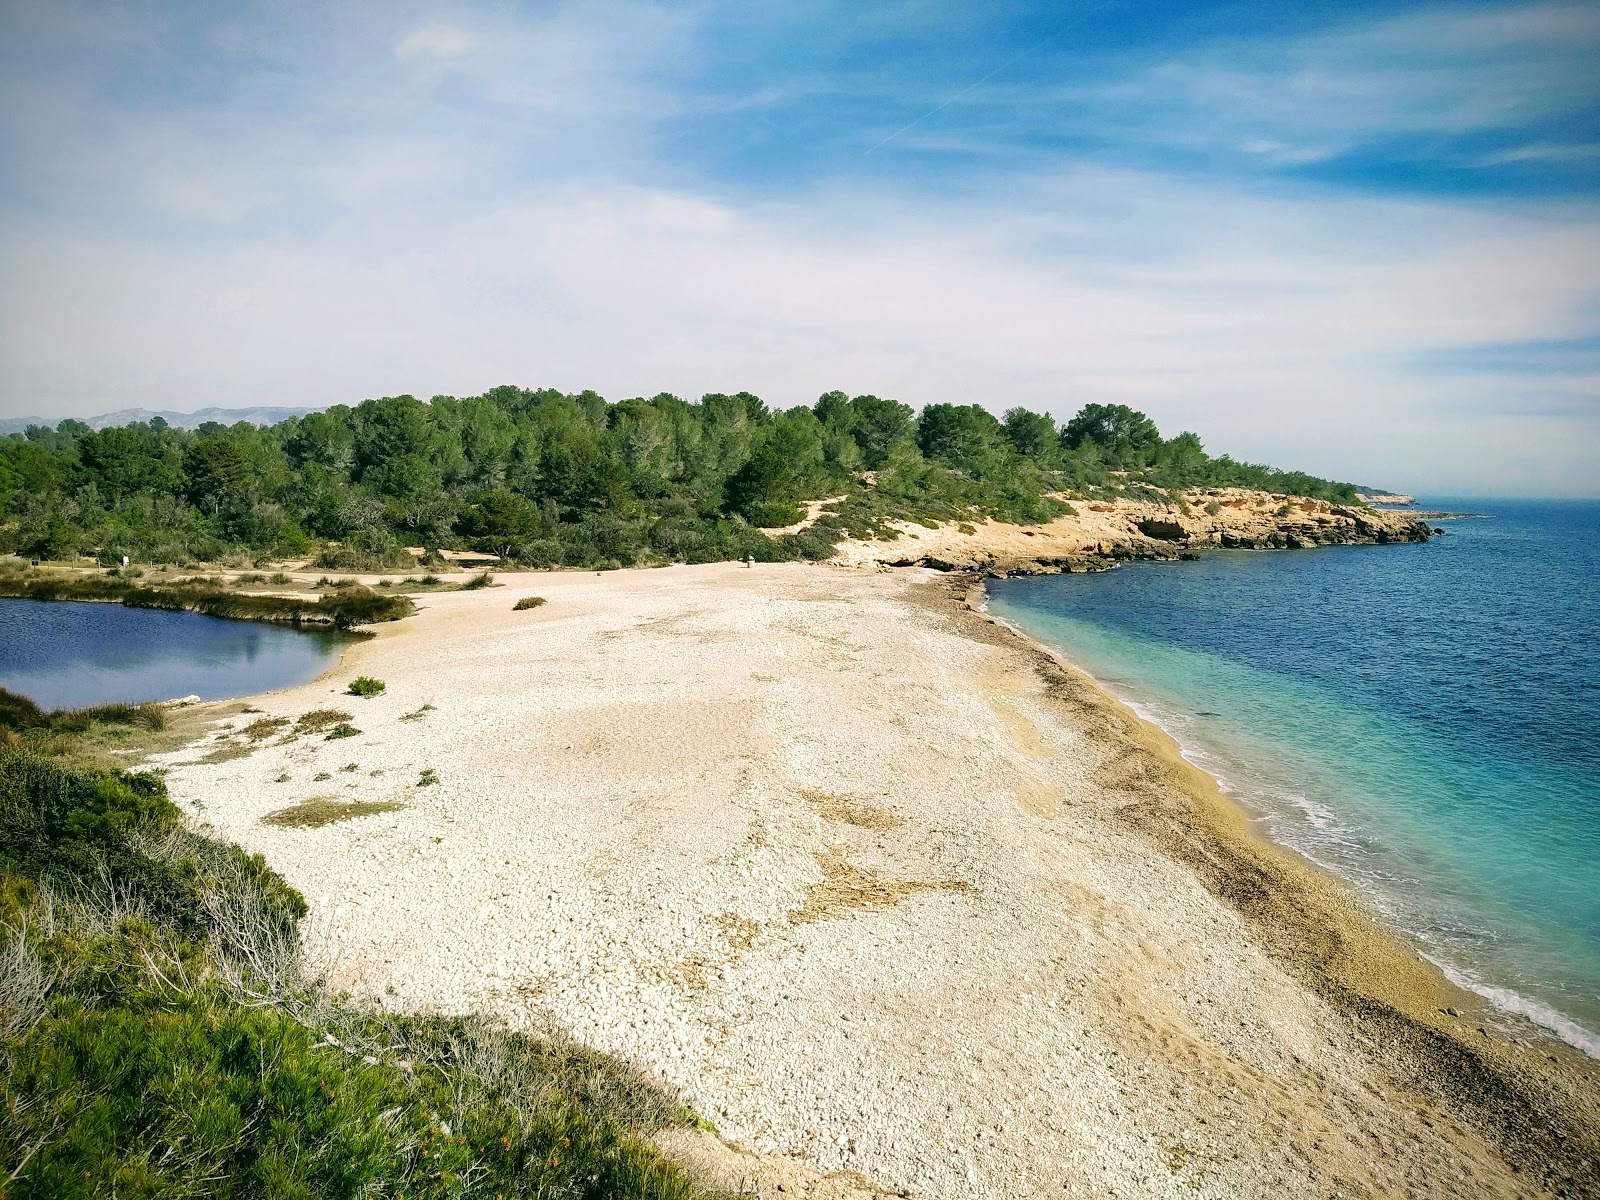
column 884, row 890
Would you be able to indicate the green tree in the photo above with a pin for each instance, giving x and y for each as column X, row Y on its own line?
column 1112, row 427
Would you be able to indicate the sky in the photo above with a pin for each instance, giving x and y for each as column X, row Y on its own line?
column 1356, row 239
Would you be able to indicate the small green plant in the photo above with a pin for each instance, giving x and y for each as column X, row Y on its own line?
column 1213, row 508
column 350, row 767
column 320, row 776
column 319, row 719
column 481, row 580
column 418, row 714
column 527, row 602
column 342, row 730
column 260, row 731
column 365, row 685
column 428, row 778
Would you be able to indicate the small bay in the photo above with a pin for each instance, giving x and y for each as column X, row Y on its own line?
column 68, row 654
column 1419, row 719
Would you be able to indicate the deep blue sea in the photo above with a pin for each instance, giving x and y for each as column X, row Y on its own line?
column 67, row 654
column 1423, row 720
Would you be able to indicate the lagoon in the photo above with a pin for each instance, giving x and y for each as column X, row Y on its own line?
column 67, row 654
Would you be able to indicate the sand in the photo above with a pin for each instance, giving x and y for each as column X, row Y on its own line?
column 882, row 888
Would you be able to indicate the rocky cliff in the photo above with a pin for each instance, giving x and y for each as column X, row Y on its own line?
column 1101, row 533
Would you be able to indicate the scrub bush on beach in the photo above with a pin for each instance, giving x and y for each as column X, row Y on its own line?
column 528, row 602
column 365, row 685
column 161, row 1035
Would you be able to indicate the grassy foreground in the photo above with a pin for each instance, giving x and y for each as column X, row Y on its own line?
column 161, row 1035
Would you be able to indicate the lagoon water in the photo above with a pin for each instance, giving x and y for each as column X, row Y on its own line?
column 1423, row 720
column 70, row 654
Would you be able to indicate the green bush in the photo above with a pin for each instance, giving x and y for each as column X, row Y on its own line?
column 157, row 1040
column 527, row 602
column 365, row 685
column 342, row 730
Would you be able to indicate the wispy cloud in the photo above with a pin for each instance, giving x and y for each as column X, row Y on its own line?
column 263, row 207
column 435, row 41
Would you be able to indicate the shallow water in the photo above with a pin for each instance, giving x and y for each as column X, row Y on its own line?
column 1421, row 719
column 70, row 654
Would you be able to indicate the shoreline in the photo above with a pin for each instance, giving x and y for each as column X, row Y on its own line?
column 980, row 792
column 1507, row 1002
column 1413, row 1001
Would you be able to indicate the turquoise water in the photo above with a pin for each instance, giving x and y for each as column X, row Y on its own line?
column 64, row 654
column 1423, row 720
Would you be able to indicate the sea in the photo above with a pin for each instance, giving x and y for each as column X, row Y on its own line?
column 1423, row 720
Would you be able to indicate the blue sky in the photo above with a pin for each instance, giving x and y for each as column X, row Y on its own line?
column 1362, row 239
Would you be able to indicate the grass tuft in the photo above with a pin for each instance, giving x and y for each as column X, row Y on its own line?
column 528, row 602
column 365, row 685
column 342, row 730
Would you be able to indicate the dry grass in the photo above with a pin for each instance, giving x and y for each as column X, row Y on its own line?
column 320, row 811
column 851, row 810
column 528, row 602
column 260, row 731
column 319, row 719
column 846, row 888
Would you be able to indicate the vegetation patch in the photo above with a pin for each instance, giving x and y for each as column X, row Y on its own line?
column 326, row 810
column 346, row 609
column 160, row 1036
column 851, row 810
column 319, row 719
column 365, row 685
column 428, row 778
column 482, row 580
column 417, row 714
column 342, row 730
column 261, row 730
column 846, row 888
column 528, row 602
column 577, row 482
column 96, row 732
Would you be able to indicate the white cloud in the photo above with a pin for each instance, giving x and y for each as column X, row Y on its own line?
column 435, row 41
column 1272, row 331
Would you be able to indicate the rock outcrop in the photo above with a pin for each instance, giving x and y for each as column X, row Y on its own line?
column 1101, row 533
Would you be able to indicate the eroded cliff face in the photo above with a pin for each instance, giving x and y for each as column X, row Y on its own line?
column 1101, row 533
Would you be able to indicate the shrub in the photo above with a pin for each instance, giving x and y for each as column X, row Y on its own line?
column 160, row 1039
column 365, row 685
column 319, row 719
column 527, row 602
column 428, row 778
column 482, row 580
column 342, row 730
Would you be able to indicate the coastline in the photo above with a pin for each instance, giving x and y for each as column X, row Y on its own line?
column 1316, row 921
column 1145, row 946
column 1508, row 1004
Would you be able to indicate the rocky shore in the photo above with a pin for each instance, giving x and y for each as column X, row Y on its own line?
column 1099, row 534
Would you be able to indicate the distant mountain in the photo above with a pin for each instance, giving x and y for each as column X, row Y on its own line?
column 193, row 420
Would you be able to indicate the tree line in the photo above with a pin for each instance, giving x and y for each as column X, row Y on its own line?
column 547, row 478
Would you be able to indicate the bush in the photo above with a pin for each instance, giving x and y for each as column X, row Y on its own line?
column 482, row 580
column 342, row 730
column 528, row 602
column 365, row 685
column 157, row 1037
